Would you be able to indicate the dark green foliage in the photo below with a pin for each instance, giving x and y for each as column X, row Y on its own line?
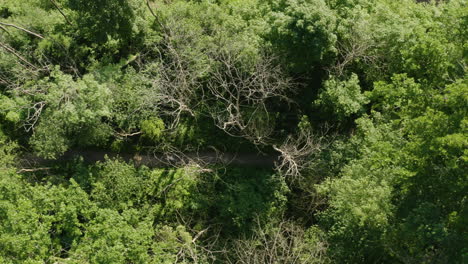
column 113, row 223
column 103, row 20
column 75, row 110
column 408, row 179
column 240, row 197
column 302, row 32
column 342, row 98
column 346, row 121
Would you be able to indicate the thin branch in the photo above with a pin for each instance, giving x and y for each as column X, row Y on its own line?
column 34, row 112
column 2, row 27
column 33, row 170
column 197, row 236
column 58, row 8
column 154, row 14
column 128, row 134
column 12, row 51
column 23, row 29
column 296, row 150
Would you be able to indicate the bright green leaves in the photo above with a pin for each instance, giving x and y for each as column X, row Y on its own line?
column 100, row 21
column 38, row 222
column 10, row 116
column 415, row 142
column 427, row 58
column 130, row 97
column 199, row 32
column 119, row 221
column 174, row 242
column 435, row 53
column 342, row 97
column 8, row 107
column 72, row 108
column 402, row 97
column 117, row 185
column 131, row 202
column 111, row 237
column 8, row 151
column 107, row 28
column 152, row 128
column 378, row 39
column 246, row 196
column 360, row 199
column 13, row 117
column 302, row 32
column 386, row 77
column 362, row 195
column 436, row 153
column 120, row 186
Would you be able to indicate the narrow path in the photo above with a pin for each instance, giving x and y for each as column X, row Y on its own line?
column 159, row 160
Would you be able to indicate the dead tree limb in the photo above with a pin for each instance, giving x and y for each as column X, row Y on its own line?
column 282, row 243
column 33, row 170
column 61, row 12
column 158, row 20
column 14, row 52
column 124, row 135
column 23, row 29
column 34, row 113
column 295, row 153
column 4, row 29
column 238, row 97
column 358, row 45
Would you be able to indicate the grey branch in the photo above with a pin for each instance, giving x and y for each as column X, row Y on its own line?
column 61, row 12
column 14, row 52
column 23, row 29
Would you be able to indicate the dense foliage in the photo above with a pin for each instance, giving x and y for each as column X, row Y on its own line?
column 361, row 104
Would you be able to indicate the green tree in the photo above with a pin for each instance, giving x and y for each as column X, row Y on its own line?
column 342, row 98
column 74, row 109
column 302, row 32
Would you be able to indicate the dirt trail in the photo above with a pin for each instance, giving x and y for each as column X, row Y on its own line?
column 158, row 160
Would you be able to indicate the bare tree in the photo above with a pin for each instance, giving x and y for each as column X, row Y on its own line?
column 176, row 81
column 285, row 243
column 204, row 246
column 174, row 92
column 235, row 98
column 238, row 97
column 357, row 45
column 235, row 94
column 296, row 150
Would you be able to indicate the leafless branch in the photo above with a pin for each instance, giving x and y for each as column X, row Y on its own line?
column 176, row 83
column 14, row 52
column 188, row 158
column 23, row 29
column 4, row 29
column 357, row 46
column 61, row 12
column 236, row 95
column 296, row 151
column 206, row 248
column 238, row 98
column 34, row 112
column 124, row 135
column 33, row 170
column 194, row 251
column 158, row 20
column 283, row 243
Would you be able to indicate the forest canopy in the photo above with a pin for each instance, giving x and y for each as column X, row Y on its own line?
column 233, row 131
